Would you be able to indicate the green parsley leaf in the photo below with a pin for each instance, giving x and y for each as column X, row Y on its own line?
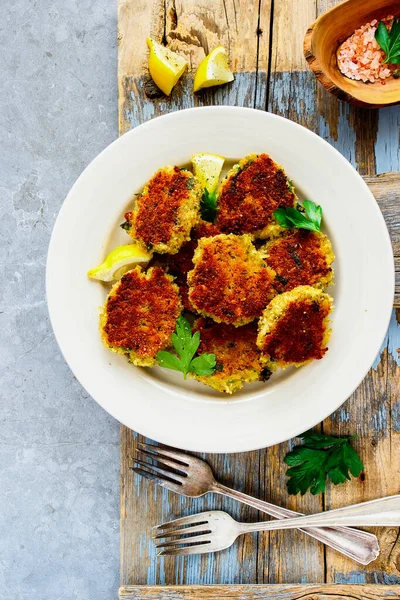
column 169, row 361
column 389, row 41
column 205, row 364
column 292, row 217
column 208, row 206
column 313, row 212
column 186, row 345
column 321, row 457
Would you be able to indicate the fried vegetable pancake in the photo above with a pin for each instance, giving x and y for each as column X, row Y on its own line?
column 300, row 258
column 140, row 315
column 165, row 211
column 294, row 328
column 251, row 192
column 239, row 360
column 181, row 263
column 230, row 282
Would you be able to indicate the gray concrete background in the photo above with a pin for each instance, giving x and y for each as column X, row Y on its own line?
column 59, row 451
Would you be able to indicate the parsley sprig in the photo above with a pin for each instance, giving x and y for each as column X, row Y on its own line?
column 186, row 345
column 208, row 205
column 389, row 41
column 321, row 457
column 292, row 217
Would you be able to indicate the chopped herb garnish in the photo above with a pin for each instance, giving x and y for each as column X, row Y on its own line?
column 290, row 185
column 208, row 206
column 126, row 225
column 321, row 457
column 292, row 217
column 186, row 345
column 190, row 183
column 389, row 41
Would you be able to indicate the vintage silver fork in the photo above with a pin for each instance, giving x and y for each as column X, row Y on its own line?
column 216, row 530
column 192, row 477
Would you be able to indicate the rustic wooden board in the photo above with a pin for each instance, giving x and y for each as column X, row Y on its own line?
column 269, row 76
column 261, row 592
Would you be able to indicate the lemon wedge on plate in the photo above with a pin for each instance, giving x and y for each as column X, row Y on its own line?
column 165, row 66
column 119, row 261
column 207, row 168
column 213, row 70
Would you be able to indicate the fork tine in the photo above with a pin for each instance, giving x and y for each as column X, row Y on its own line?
column 200, row 549
column 193, row 539
column 183, row 531
column 179, row 457
column 168, row 484
column 190, row 520
column 164, row 462
column 174, row 477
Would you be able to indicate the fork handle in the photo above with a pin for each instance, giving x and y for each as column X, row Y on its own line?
column 383, row 512
column 358, row 545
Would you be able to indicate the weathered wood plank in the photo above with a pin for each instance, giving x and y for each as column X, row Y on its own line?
column 295, row 94
column 144, row 505
column 293, row 557
column 368, row 413
column 262, row 592
column 353, row 131
column 369, row 410
column 193, row 28
column 386, row 189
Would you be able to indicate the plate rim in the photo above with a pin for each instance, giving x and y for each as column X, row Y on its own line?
column 206, row 447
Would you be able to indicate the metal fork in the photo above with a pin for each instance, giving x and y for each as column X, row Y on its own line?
column 192, row 477
column 216, row 530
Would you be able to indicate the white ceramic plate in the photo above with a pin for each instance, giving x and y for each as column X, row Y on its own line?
column 158, row 403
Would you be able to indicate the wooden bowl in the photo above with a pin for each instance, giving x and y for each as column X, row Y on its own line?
column 324, row 37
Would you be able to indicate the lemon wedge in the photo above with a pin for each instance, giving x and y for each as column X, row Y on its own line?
column 213, row 70
column 118, row 262
column 165, row 66
column 207, row 168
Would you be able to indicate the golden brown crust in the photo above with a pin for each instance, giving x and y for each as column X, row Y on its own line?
column 252, row 191
column 300, row 257
column 238, row 359
column 181, row 263
column 294, row 328
column 230, row 281
column 166, row 210
column 140, row 314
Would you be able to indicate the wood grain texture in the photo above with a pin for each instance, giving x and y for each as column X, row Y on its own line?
column 353, row 131
column 193, row 27
column 144, row 505
column 262, row 592
column 386, row 189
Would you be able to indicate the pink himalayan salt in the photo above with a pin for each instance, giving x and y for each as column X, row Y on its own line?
column 361, row 58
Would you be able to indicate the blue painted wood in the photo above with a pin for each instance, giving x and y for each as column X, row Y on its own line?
column 370, row 141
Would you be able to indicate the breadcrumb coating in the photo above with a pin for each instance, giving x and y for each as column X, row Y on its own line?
column 230, row 281
column 251, row 192
column 165, row 211
column 181, row 263
column 239, row 360
column 300, row 257
column 140, row 314
column 294, row 328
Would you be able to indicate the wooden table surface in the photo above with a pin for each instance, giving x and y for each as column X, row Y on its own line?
column 264, row 42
